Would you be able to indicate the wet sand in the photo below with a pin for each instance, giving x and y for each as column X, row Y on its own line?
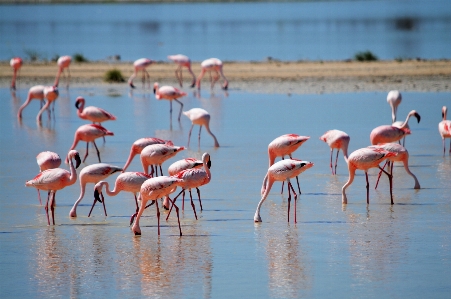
column 265, row 77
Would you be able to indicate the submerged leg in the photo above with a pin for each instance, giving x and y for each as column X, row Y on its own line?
column 367, row 189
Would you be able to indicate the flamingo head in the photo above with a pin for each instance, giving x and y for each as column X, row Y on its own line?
column 78, row 101
column 206, row 159
column 417, row 116
column 155, row 87
column 75, row 155
column 444, row 110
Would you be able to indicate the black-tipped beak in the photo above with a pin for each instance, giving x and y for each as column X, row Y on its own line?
column 443, row 115
column 132, row 86
column 192, row 85
column 77, row 160
column 418, row 117
column 225, row 87
column 76, row 104
column 209, row 164
column 96, row 196
column 154, row 91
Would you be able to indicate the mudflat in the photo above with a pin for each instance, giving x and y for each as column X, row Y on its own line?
column 300, row 77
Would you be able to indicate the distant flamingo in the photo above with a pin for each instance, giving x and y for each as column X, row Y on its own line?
column 140, row 65
column 389, row 133
column 63, row 63
column 35, row 92
column 283, row 170
column 444, row 128
column 194, row 178
column 394, row 98
column 89, row 133
column 152, row 189
column 92, row 113
column 209, row 65
column 55, row 179
column 339, row 140
column 93, row 173
column 50, row 94
column 127, row 181
column 156, row 154
column 182, row 61
column 364, row 159
column 47, row 160
column 402, row 156
column 199, row 116
column 285, row 145
column 169, row 93
column 140, row 144
column 16, row 64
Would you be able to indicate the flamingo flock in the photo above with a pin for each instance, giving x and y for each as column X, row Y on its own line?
column 191, row 173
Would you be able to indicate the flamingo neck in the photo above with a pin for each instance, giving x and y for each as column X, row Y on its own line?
column 73, row 172
column 113, row 192
column 207, row 127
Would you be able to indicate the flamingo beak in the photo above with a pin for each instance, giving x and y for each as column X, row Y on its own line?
column 77, row 160
column 76, row 104
column 418, row 117
column 209, row 164
column 96, row 196
column 154, row 90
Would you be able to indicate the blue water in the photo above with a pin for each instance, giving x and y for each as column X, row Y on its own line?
column 312, row 30
column 374, row 251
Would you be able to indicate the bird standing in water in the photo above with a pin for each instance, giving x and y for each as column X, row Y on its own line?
column 212, row 65
column 339, row 140
column 201, row 117
column 140, row 65
column 182, row 61
column 16, row 64
column 444, row 128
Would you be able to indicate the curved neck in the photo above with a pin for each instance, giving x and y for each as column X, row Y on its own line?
column 47, row 104
column 113, row 192
column 73, row 172
column 133, row 153
column 57, row 79
column 406, row 167
column 406, row 121
column 207, row 127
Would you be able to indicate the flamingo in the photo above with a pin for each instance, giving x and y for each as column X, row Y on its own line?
column 187, row 163
column 394, row 98
column 55, row 179
column 93, row 173
column 182, row 61
column 402, row 156
column 50, row 94
column 47, row 160
column 35, row 92
column 285, row 145
column 444, row 128
column 91, row 113
column 339, row 140
column 212, row 64
column 156, row 154
column 194, row 178
column 89, row 133
column 140, row 65
column 126, row 181
column 63, row 63
column 169, row 93
column 152, row 189
column 390, row 133
column 16, row 64
column 283, row 170
column 201, row 117
column 364, row 159
column 140, row 144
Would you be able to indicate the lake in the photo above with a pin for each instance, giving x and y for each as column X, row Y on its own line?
column 306, row 30
column 352, row 251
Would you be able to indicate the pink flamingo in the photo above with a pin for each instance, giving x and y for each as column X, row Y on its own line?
column 55, row 179
column 187, row 163
column 285, row 145
column 169, row 93
column 140, row 65
column 47, row 160
column 35, row 92
column 394, row 98
column 444, row 128
column 91, row 113
column 194, row 178
column 389, row 133
column 140, row 144
column 89, row 133
column 336, row 139
column 156, row 154
column 283, row 170
column 182, row 61
column 63, row 63
column 364, row 159
column 50, row 94
column 126, row 181
column 152, row 189
column 16, row 64
column 402, row 155
column 209, row 65
column 199, row 116
column 93, row 173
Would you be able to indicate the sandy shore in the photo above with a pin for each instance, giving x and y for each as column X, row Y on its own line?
column 265, row 77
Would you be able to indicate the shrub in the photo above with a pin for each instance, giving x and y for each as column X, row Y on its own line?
column 78, row 57
column 365, row 56
column 114, row 75
column 32, row 55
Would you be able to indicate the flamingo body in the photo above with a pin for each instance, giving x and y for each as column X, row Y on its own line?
column 169, row 93
column 285, row 145
column 182, row 61
column 35, row 92
column 91, row 113
column 48, row 160
column 140, row 144
column 338, row 140
column 63, row 63
column 444, row 128
column 201, row 117
column 209, row 65
column 140, row 65
column 184, row 164
column 89, row 133
column 50, row 94
column 156, row 154
column 390, row 133
column 16, row 64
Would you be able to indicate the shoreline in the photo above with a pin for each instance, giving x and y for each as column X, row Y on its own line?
column 282, row 77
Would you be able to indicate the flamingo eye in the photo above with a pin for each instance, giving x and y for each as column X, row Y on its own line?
column 303, row 164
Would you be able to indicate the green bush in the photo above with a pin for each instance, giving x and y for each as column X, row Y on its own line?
column 365, row 56
column 32, row 55
column 78, row 57
column 114, row 75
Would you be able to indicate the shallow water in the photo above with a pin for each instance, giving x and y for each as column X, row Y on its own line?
column 301, row 30
column 333, row 251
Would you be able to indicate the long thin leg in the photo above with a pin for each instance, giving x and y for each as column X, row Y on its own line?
column 200, row 129
column 295, row 200
column 189, row 135
column 379, row 176
column 297, row 180
column 39, row 197
column 136, row 202
column 87, row 148
column 98, row 153
column 331, row 153
column 289, row 200
column 192, row 204
column 391, row 184
column 181, row 108
column 158, row 215
column 47, row 208
column 336, row 161
column 52, row 208
column 103, row 202
column 173, row 202
column 161, row 170
column 198, row 195
column 283, row 182
column 367, row 189
column 178, row 216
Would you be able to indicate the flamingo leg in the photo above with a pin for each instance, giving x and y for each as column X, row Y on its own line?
column 87, row 148
column 158, row 215
column 189, row 135
column 183, row 201
column 103, row 202
column 136, row 202
column 192, row 204
column 198, row 195
column 170, row 110
column 367, row 189
column 331, row 153
column 200, row 129
column 283, row 182
column 39, row 197
column 390, row 178
column 47, row 208
column 295, row 200
column 336, row 162
column 178, row 216
column 173, row 203
column 161, row 170
column 379, row 176
column 289, row 199
column 52, row 208
column 181, row 108
column 98, row 153
column 297, row 180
